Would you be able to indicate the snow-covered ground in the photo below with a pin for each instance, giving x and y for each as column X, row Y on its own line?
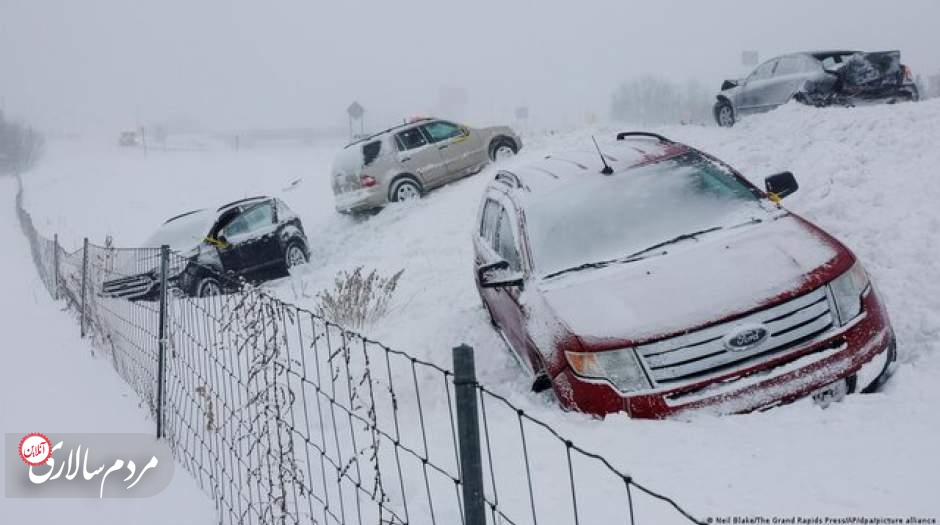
column 49, row 382
column 866, row 176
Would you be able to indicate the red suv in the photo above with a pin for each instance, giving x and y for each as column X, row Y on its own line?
column 654, row 279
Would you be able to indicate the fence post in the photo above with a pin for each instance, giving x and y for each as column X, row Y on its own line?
column 468, row 432
column 84, row 281
column 55, row 265
column 161, row 334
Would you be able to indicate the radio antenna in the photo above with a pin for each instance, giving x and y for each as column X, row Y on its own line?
column 607, row 169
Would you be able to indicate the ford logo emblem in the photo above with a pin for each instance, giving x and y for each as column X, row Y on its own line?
column 745, row 338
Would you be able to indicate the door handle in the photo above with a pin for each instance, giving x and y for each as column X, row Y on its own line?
column 405, row 159
column 442, row 147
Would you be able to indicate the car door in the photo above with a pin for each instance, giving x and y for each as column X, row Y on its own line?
column 788, row 77
column 260, row 248
column 231, row 234
column 418, row 156
column 461, row 150
column 506, row 306
column 754, row 92
column 251, row 240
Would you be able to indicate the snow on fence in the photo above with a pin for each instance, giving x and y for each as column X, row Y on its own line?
column 284, row 417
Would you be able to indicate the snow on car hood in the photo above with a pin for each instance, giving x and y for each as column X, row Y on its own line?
column 697, row 282
column 184, row 232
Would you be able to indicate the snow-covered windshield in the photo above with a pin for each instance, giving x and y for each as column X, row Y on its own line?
column 184, row 232
column 609, row 217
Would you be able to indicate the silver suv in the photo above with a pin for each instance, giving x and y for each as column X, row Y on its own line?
column 404, row 162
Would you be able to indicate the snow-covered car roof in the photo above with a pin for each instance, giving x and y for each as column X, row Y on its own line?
column 554, row 171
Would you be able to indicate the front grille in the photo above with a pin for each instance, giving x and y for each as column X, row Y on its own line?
column 131, row 287
column 703, row 352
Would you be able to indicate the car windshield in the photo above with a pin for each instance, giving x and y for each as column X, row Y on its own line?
column 184, row 232
column 605, row 218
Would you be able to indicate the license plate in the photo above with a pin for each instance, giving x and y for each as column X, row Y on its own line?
column 829, row 394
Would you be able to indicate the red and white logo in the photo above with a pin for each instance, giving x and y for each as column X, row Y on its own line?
column 35, row 449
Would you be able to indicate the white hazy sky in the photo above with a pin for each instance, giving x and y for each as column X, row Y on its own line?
column 109, row 64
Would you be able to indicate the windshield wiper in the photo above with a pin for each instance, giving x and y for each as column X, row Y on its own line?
column 636, row 256
column 677, row 238
column 601, row 264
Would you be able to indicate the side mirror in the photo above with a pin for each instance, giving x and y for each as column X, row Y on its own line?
column 498, row 275
column 780, row 185
column 219, row 241
column 728, row 84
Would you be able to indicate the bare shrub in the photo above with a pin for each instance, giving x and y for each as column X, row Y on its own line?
column 357, row 299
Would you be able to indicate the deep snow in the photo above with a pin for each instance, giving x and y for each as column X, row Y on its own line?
column 49, row 382
column 866, row 176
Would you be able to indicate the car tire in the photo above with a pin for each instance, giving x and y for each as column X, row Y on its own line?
column 207, row 286
column 294, row 255
column 503, row 148
column 404, row 189
column 724, row 114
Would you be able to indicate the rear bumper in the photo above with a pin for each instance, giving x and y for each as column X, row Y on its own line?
column 360, row 200
column 858, row 351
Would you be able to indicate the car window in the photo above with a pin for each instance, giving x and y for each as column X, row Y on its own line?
column 370, row 151
column 251, row 220
column 488, row 222
column 506, row 242
column 810, row 65
column 440, row 130
column 410, row 139
column 763, row 71
column 788, row 66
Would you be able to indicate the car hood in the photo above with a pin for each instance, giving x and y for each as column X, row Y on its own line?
column 696, row 283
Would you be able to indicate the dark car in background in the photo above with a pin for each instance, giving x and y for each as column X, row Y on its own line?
column 256, row 239
column 821, row 78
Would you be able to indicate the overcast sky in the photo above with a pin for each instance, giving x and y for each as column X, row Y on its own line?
column 111, row 64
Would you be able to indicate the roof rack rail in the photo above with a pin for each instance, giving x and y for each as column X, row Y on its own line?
column 623, row 134
column 408, row 122
column 240, row 201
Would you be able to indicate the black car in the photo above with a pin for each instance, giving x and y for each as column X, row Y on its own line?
column 819, row 78
column 255, row 239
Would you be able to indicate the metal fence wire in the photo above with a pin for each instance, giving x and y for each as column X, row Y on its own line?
column 284, row 417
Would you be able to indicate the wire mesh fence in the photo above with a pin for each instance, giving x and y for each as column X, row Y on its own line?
column 282, row 416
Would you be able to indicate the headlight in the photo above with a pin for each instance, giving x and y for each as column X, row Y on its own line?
column 619, row 367
column 847, row 290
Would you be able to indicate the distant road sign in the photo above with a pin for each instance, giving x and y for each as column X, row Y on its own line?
column 355, row 110
column 750, row 58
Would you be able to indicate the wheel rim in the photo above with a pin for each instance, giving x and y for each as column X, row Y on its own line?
column 725, row 118
column 407, row 192
column 209, row 288
column 504, row 152
column 295, row 256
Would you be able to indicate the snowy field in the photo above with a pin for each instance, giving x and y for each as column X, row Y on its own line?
column 867, row 176
column 78, row 394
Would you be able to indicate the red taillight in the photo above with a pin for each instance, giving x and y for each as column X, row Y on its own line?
column 908, row 74
column 367, row 181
